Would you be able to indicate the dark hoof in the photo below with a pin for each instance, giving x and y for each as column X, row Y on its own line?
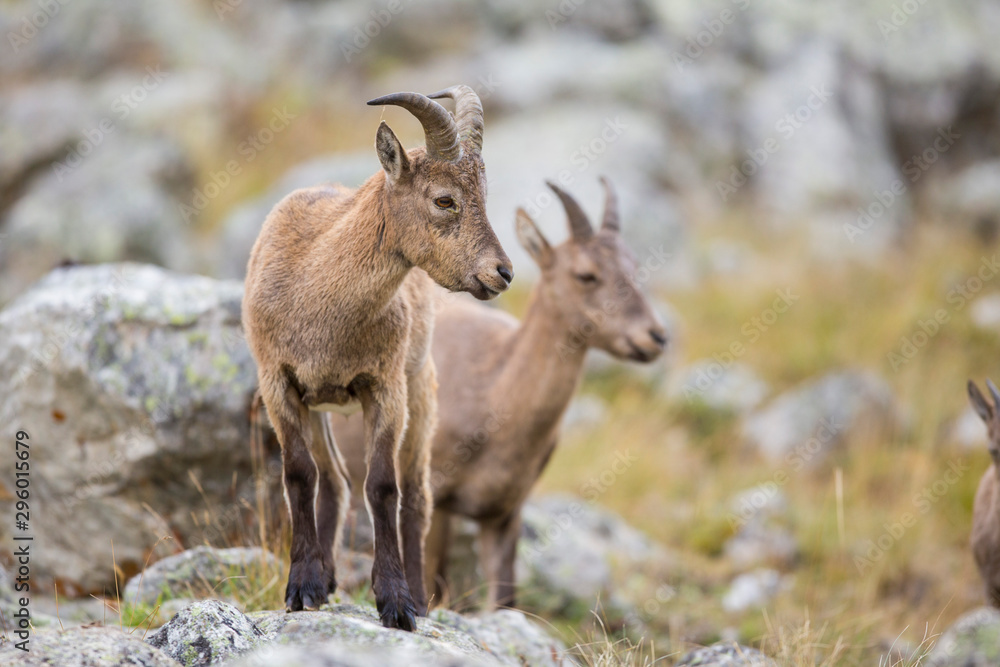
column 397, row 611
column 309, row 584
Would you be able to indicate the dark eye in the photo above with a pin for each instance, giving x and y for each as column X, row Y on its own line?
column 586, row 278
column 444, row 202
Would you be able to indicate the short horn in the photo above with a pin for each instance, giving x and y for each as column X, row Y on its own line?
column 579, row 226
column 468, row 115
column 611, row 221
column 994, row 392
column 440, row 131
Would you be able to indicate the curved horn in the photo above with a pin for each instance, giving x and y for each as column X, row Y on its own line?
column 440, row 131
column 994, row 392
column 611, row 221
column 579, row 226
column 468, row 115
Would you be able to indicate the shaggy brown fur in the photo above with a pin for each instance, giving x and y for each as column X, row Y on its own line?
column 986, row 509
column 505, row 385
column 339, row 315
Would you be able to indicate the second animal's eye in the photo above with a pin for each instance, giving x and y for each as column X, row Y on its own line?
column 444, row 202
column 586, row 278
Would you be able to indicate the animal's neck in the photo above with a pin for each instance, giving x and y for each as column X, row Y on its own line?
column 543, row 366
column 373, row 263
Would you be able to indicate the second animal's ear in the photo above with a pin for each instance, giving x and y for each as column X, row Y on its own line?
column 983, row 408
column 531, row 239
column 390, row 153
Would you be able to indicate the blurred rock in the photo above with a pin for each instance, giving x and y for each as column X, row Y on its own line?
column 205, row 633
column 751, row 590
column 968, row 430
column 241, row 228
column 970, row 642
column 572, row 553
column 985, row 312
column 510, row 636
column 585, row 411
column 735, row 389
column 802, row 426
column 762, row 529
column 971, row 198
column 118, row 202
column 726, row 655
column 140, row 380
column 199, row 572
column 93, row 646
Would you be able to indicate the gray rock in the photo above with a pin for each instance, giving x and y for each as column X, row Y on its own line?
column 138, row 378
column 968, row 430
column 205, row 633
column 86, row 647
column 762, row 535
column 733, row 389
column 336, row 654
column 971, row 198
column 571, row 553
column 973, row 641
column 752, row 590
column 120, row 201
column 510, row 636
column 585, row 411
column 985, row 312
column 809, row 422
column 198, row 572
column 359, row 627
column 726, row 655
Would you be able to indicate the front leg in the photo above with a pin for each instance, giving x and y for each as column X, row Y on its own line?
column 385, row 420
column 414, row 464
column 497, row 552
column 310, row 579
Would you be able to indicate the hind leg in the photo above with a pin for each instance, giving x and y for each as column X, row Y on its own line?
column 334, row 486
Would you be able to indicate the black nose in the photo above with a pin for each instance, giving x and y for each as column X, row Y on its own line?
column 658, row 336
column 506, row 274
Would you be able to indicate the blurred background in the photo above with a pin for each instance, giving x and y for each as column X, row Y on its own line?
column 812, row 191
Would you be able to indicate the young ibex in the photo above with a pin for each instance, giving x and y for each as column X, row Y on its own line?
column 986, row 509
column 338, row 313
column 505, row 385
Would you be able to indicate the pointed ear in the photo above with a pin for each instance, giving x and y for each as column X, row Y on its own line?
column 532, row 240
column 983, row 409
column 390, row 153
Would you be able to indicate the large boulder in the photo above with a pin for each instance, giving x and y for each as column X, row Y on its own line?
column 973, row 641
column 802, row 426
column 85, row 647
column 113, row 201
column 134, row 385
column 199, row 572
column 725, row 655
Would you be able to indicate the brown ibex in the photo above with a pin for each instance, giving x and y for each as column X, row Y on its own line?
column 338, row 313
column 986, row 509
column 504, row 385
